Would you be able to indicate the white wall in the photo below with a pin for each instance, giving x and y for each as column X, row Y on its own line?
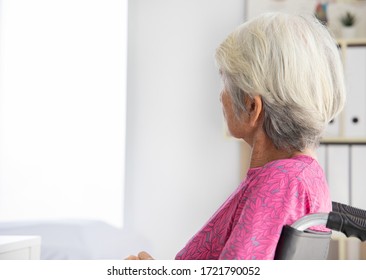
column 180, row 166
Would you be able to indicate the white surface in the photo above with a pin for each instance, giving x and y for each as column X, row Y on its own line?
column 355, row 73
column 79, row 239
column 335, row 160
column 358, row 177
column 333, row 129
column 256, row 7
column 180, row 166
column 338, row 173
column 62, row 114
column 20, row 247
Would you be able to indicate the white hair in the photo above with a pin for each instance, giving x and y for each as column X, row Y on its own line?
column 293, row 63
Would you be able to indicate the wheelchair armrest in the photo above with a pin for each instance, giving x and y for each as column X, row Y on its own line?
column 299, row 245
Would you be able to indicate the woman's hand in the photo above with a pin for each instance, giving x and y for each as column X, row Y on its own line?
column 141, row 256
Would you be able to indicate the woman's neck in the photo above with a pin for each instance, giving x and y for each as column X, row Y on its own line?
column 264, row 151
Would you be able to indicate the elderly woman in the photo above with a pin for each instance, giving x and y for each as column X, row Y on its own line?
column 283, row 83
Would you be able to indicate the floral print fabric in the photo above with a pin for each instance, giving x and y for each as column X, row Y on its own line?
column 248, row 225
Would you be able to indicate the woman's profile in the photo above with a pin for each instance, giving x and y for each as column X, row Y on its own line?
column 283, row 83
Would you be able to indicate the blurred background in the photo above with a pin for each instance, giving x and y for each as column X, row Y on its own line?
column 112, row 138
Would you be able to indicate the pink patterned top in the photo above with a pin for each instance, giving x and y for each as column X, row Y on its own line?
column 248, row 225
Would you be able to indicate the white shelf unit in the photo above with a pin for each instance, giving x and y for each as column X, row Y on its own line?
column 338, row 132
column 14, row 247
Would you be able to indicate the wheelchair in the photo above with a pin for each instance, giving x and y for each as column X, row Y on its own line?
column 299, row 242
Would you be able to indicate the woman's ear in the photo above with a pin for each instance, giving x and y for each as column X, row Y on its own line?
column 255, row 109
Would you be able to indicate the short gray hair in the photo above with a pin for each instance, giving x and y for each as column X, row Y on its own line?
column 293, row 63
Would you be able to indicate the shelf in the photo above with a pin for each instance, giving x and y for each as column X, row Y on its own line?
column 345, row 44
column 343, row 141
column 351, row 42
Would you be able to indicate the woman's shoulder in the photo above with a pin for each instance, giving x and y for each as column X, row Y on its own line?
column 283, row 172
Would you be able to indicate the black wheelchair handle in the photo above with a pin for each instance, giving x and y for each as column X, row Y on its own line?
column 347, row 224
column 348, row 210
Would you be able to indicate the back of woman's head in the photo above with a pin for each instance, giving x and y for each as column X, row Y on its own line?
column 293, row 63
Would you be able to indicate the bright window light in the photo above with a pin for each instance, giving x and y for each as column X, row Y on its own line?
column 62, row 109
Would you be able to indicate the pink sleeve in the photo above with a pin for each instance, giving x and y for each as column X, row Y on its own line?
column 264, row 211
